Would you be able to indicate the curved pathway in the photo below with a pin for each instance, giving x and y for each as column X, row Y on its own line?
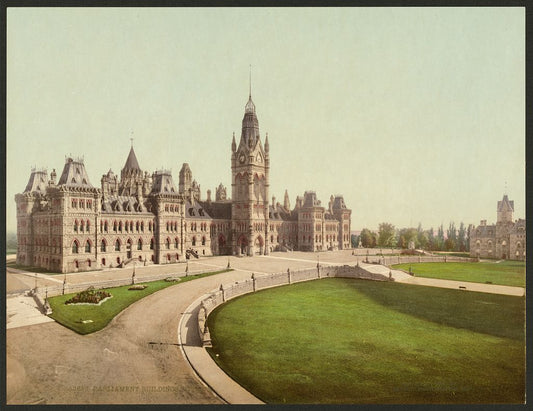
column 136, row 359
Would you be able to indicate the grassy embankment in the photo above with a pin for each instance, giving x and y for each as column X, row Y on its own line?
column 356, row 341
column 503, row 273
column 71, row 316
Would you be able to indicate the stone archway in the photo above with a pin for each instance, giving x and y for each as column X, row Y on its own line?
column 258, row 245
column 242, row 245
column 221, row 243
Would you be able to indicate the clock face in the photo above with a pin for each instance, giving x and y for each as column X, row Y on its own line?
column 241, row 158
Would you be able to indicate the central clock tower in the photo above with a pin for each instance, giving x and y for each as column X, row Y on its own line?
column 250, row 166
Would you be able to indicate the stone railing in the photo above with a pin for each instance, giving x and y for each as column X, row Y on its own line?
column 402, row 259
column 260, row 282
column 67, row 288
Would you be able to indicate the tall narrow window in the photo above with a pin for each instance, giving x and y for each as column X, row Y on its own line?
column 88, row 246
column 152, row 244
column 117, row 245
column 103, row 246
column 75, row 246
column 139, row 244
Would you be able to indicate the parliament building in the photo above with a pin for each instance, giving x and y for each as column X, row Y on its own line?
column 70, row 225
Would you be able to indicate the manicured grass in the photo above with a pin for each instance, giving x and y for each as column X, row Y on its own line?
column 502, row 273
column 71, row 316
column 355, row 341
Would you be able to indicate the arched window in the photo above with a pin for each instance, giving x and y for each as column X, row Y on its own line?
column 88, row 225
column 88, row 246
column 167, row 226
column 88, row 262
column 194, row 240
column 142, row 226
column 176, row 243
column 103, row 246
column 137, row 226
column 120, row 226
column 105, row 226
column 203, row 240
column 76, row 226
column 81, row 226
column 115, row 226
column 131, row 226
column 75, row 247
column 117, row 245
column 168, row 243
column 103, row 261
column 152, row 244
column 139, row 244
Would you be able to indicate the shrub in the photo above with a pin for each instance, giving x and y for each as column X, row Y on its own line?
column 138, row 287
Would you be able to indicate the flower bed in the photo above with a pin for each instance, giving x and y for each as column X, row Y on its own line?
column 89, row 296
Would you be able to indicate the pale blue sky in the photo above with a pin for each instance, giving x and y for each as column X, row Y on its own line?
column 413, row 114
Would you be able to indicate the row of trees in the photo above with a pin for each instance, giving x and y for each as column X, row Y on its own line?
column 456, row 239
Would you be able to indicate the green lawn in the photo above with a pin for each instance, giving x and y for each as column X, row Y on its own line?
column 355, row 341
column 71, row 316
column 503, row 273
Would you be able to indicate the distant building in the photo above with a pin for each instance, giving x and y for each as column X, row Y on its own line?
column 504, row 240
column 70, row 225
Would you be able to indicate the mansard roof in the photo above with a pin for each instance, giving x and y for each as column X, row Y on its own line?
column 162, row 183
column 196, row 210
column 37, row 182
column 310, row 199
column 338, row 203
column 220, row 210
column 485, row 231
column 74, row 174
column 124, row 204
column 278, row 213
column 131, row 162
column 519, row 227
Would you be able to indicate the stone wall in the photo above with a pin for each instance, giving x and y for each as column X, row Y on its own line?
column 259, row 282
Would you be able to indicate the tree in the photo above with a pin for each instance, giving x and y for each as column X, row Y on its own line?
column 367, row 238
column 431, row 239
column 423, row 239
column 386, row 235
column 439, row 243
column 355, row 240
column 461, row 238
column 407, row 236
column 449, row 244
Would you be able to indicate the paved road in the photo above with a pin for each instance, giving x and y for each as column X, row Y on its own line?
column 136, row 358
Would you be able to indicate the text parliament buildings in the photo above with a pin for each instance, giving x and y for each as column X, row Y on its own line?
column 70, row 225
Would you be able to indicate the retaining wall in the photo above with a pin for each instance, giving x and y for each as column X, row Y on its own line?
column 259, row 282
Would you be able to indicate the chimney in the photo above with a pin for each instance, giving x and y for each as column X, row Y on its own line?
column 208, row 196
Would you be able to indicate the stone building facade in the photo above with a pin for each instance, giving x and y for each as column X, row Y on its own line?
column 71, row 225
column 504, row 240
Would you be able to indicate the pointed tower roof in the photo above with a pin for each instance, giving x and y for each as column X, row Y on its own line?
column 505, row 204
column 131, row 162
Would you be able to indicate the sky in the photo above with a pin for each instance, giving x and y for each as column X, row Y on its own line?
column 414, row 115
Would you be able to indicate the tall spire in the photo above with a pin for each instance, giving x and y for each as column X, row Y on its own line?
column 250, row 106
